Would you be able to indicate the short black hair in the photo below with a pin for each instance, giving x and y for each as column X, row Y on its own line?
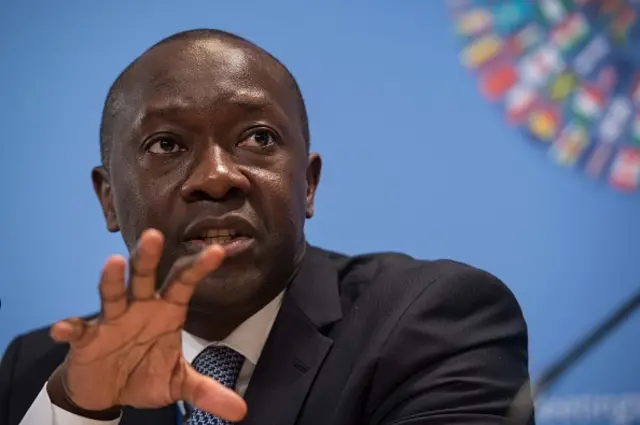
column 112, row 104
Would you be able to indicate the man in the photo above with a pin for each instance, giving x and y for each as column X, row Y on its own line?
column 229, row 315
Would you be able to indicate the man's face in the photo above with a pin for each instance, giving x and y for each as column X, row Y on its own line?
column 208, row 148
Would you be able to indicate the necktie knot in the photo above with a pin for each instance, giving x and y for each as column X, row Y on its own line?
column 222, row 364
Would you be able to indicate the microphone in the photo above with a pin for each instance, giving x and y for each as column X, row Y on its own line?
column 523, row 403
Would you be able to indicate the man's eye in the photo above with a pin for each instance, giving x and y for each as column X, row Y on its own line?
column 164, row 146
column 259, row 138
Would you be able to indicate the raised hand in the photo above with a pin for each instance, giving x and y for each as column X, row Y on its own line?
column 132, row 353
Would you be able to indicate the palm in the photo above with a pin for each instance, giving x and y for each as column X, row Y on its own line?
column 132, row 354
column 143, row 346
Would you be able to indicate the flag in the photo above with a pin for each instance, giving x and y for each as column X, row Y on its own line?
column 588, row 102
column 570, row 33
column 539, row 66
column 615, row 120
column 610, row 7
column 481, row 51
column 474, row 22
column 544, row 122
column 607, row 78
column 625, row 170
column 519, row 101
column 494, row 83
column 635, row 132
column 570, row 144
column 523, row 40
column 591, row 56
column 553, row 11
column 635, row 89
column 562, row 86
column 622, row 23
column 510, row 15
column 598, row 159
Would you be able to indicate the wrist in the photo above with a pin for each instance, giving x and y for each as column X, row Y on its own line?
column 60, row 397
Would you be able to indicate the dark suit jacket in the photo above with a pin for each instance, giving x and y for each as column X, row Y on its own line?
column 372, row 339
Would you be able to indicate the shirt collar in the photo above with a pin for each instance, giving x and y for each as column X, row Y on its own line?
column 247, row 339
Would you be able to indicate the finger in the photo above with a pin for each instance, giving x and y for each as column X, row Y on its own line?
column 68, row 331
column 113, row 294
column 144, row 262
column 180, row 288
column 212, row 397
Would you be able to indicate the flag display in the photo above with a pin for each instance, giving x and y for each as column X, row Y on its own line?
column 566, row 73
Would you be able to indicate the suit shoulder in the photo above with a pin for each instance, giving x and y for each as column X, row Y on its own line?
column 395, row 276
column 372, row 266
column 38, row 355
column 396, row 266
column 366, row 273
column 37, row 342
column 460, row 277
column 461, row 287
column 33, row 345
column 26, row 366
column 466, row 290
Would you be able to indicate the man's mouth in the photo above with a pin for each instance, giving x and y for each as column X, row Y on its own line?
column 219, row 236
column 231, row 240
column 233, row 233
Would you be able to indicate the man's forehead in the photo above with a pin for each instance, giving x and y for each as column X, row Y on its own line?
column 202, row 75
column 207, row 59
column 204, row 67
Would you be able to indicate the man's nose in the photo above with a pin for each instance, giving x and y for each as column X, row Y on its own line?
column 215, row 176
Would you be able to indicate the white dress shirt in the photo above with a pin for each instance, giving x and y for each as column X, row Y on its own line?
column 247, row 339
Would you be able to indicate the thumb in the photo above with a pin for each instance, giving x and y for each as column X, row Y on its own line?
column 212, row 397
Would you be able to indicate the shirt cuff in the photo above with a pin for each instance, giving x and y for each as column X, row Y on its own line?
column 43, row 412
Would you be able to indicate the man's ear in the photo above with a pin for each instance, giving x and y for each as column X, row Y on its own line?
column 314, row 168
column 102, row 187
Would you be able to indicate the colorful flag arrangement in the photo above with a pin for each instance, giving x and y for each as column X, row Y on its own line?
column 564, row 72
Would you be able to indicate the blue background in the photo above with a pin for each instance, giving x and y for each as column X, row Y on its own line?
column 414, row 160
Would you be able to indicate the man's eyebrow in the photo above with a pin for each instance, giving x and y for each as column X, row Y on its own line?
column 255, row 100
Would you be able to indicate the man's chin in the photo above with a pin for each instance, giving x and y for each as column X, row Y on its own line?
column 229, row 285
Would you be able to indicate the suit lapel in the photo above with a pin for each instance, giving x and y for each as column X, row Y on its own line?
column 296, row 347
